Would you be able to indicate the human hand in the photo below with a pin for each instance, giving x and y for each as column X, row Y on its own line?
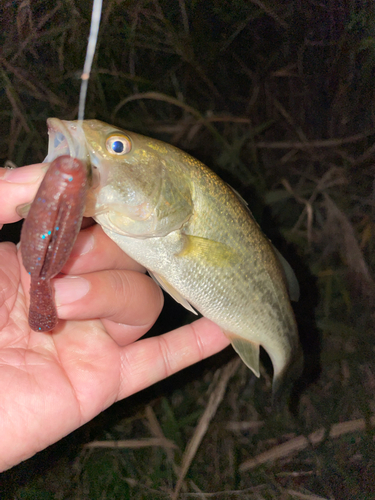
column 52, row 383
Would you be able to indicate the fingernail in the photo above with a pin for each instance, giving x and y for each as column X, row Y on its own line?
column 23, row 175
column 83, row 245
column 23, row 210
column 70, row 289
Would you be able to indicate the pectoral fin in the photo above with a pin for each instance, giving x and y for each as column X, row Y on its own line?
column 207, row 251
column 167, row 287
column 248, row 351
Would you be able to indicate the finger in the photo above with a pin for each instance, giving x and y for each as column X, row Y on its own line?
column 121, row 296
column 124, row 334
column 95, row 251
column 9, row 283
column 18, row 186
column 150, row 360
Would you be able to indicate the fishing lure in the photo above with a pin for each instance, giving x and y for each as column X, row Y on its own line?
column 49, row 232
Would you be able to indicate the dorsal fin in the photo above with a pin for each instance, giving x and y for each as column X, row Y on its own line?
column 292, row 282
column 291, row 279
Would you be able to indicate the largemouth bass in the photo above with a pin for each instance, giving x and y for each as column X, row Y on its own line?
column 193, row 233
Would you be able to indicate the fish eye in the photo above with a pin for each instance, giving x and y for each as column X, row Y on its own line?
column 118, row 144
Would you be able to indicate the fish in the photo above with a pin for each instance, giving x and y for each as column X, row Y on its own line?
column 49, row 232
column 193, row 233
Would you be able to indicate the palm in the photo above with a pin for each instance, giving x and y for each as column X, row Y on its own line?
column 57, row 372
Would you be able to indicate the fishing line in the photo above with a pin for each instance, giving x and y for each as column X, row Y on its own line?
column 90, row 52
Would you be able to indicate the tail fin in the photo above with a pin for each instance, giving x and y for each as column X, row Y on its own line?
column 284, row 380
column 284, row 376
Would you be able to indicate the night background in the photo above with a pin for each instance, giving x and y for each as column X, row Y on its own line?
column 277, row 97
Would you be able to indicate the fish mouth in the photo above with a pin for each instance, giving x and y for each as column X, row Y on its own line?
column 66, row 138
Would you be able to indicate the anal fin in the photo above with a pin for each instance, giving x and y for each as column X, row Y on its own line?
column 248, row 351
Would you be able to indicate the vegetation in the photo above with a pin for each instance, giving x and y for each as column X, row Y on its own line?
column 278, row 98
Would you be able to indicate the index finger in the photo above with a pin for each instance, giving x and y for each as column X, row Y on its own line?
column 17, row 187
column 152, row 359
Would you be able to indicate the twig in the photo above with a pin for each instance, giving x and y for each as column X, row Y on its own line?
column 290, row 120
column 216, row 397
column 14, row 101
column 42, row 93
column 270, row 13
column 350, row 246
column 321, row 185
column 328, row 143
column 369, row 153
column 132, row 443
column 34, row 34
column 157, row 431
column 227, row 493
column 157, row 96
column 301, row 442
column 185, row 19
column 318, row 144
column 244, row 426
column 308, row 207
column 304, row 496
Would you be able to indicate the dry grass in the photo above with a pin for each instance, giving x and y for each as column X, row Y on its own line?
column 278, row 98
